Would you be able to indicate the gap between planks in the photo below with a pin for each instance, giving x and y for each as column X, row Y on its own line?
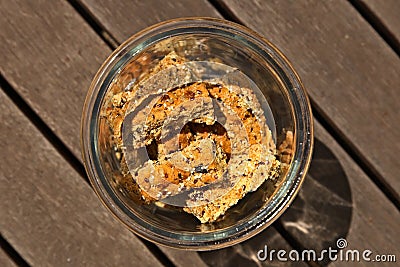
column 106, row 36
column 13, row 256
column 43, row 128
column 377, row 23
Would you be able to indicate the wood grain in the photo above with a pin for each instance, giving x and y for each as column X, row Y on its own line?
column 6, row 261
column 349, row 71
column 387, row 11
column 47, row 212
column 122, row 19
column 49, row 55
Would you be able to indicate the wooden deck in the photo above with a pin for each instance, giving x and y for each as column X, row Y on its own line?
column 347, row 54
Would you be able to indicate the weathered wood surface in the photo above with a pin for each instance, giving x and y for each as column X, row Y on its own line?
column 349, row 71
column 387, row 11
column 6, row 261
column 122, row 19
column 49, row 55
column 47, row 212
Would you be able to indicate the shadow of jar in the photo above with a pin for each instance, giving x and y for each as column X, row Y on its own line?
column 317, row 218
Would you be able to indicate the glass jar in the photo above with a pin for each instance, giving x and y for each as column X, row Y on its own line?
column 236, row 55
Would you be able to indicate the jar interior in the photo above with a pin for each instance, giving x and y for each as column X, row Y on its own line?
column 228, row 50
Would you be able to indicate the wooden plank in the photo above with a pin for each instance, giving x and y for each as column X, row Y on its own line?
column 340, row 201
column 124, row 18
column 349, row 71
column 6, row 261
column 49, row 54
column 48, row 101
column 387, row 11
column 47, row 212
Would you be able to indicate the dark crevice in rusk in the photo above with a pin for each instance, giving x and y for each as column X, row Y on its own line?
column 356, row 155
column 12, row 253
column 107, row 37
column 65, row 152
column 377, row 24
column 43, row 128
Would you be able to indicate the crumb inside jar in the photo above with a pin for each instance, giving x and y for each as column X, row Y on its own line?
column 197, row 145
